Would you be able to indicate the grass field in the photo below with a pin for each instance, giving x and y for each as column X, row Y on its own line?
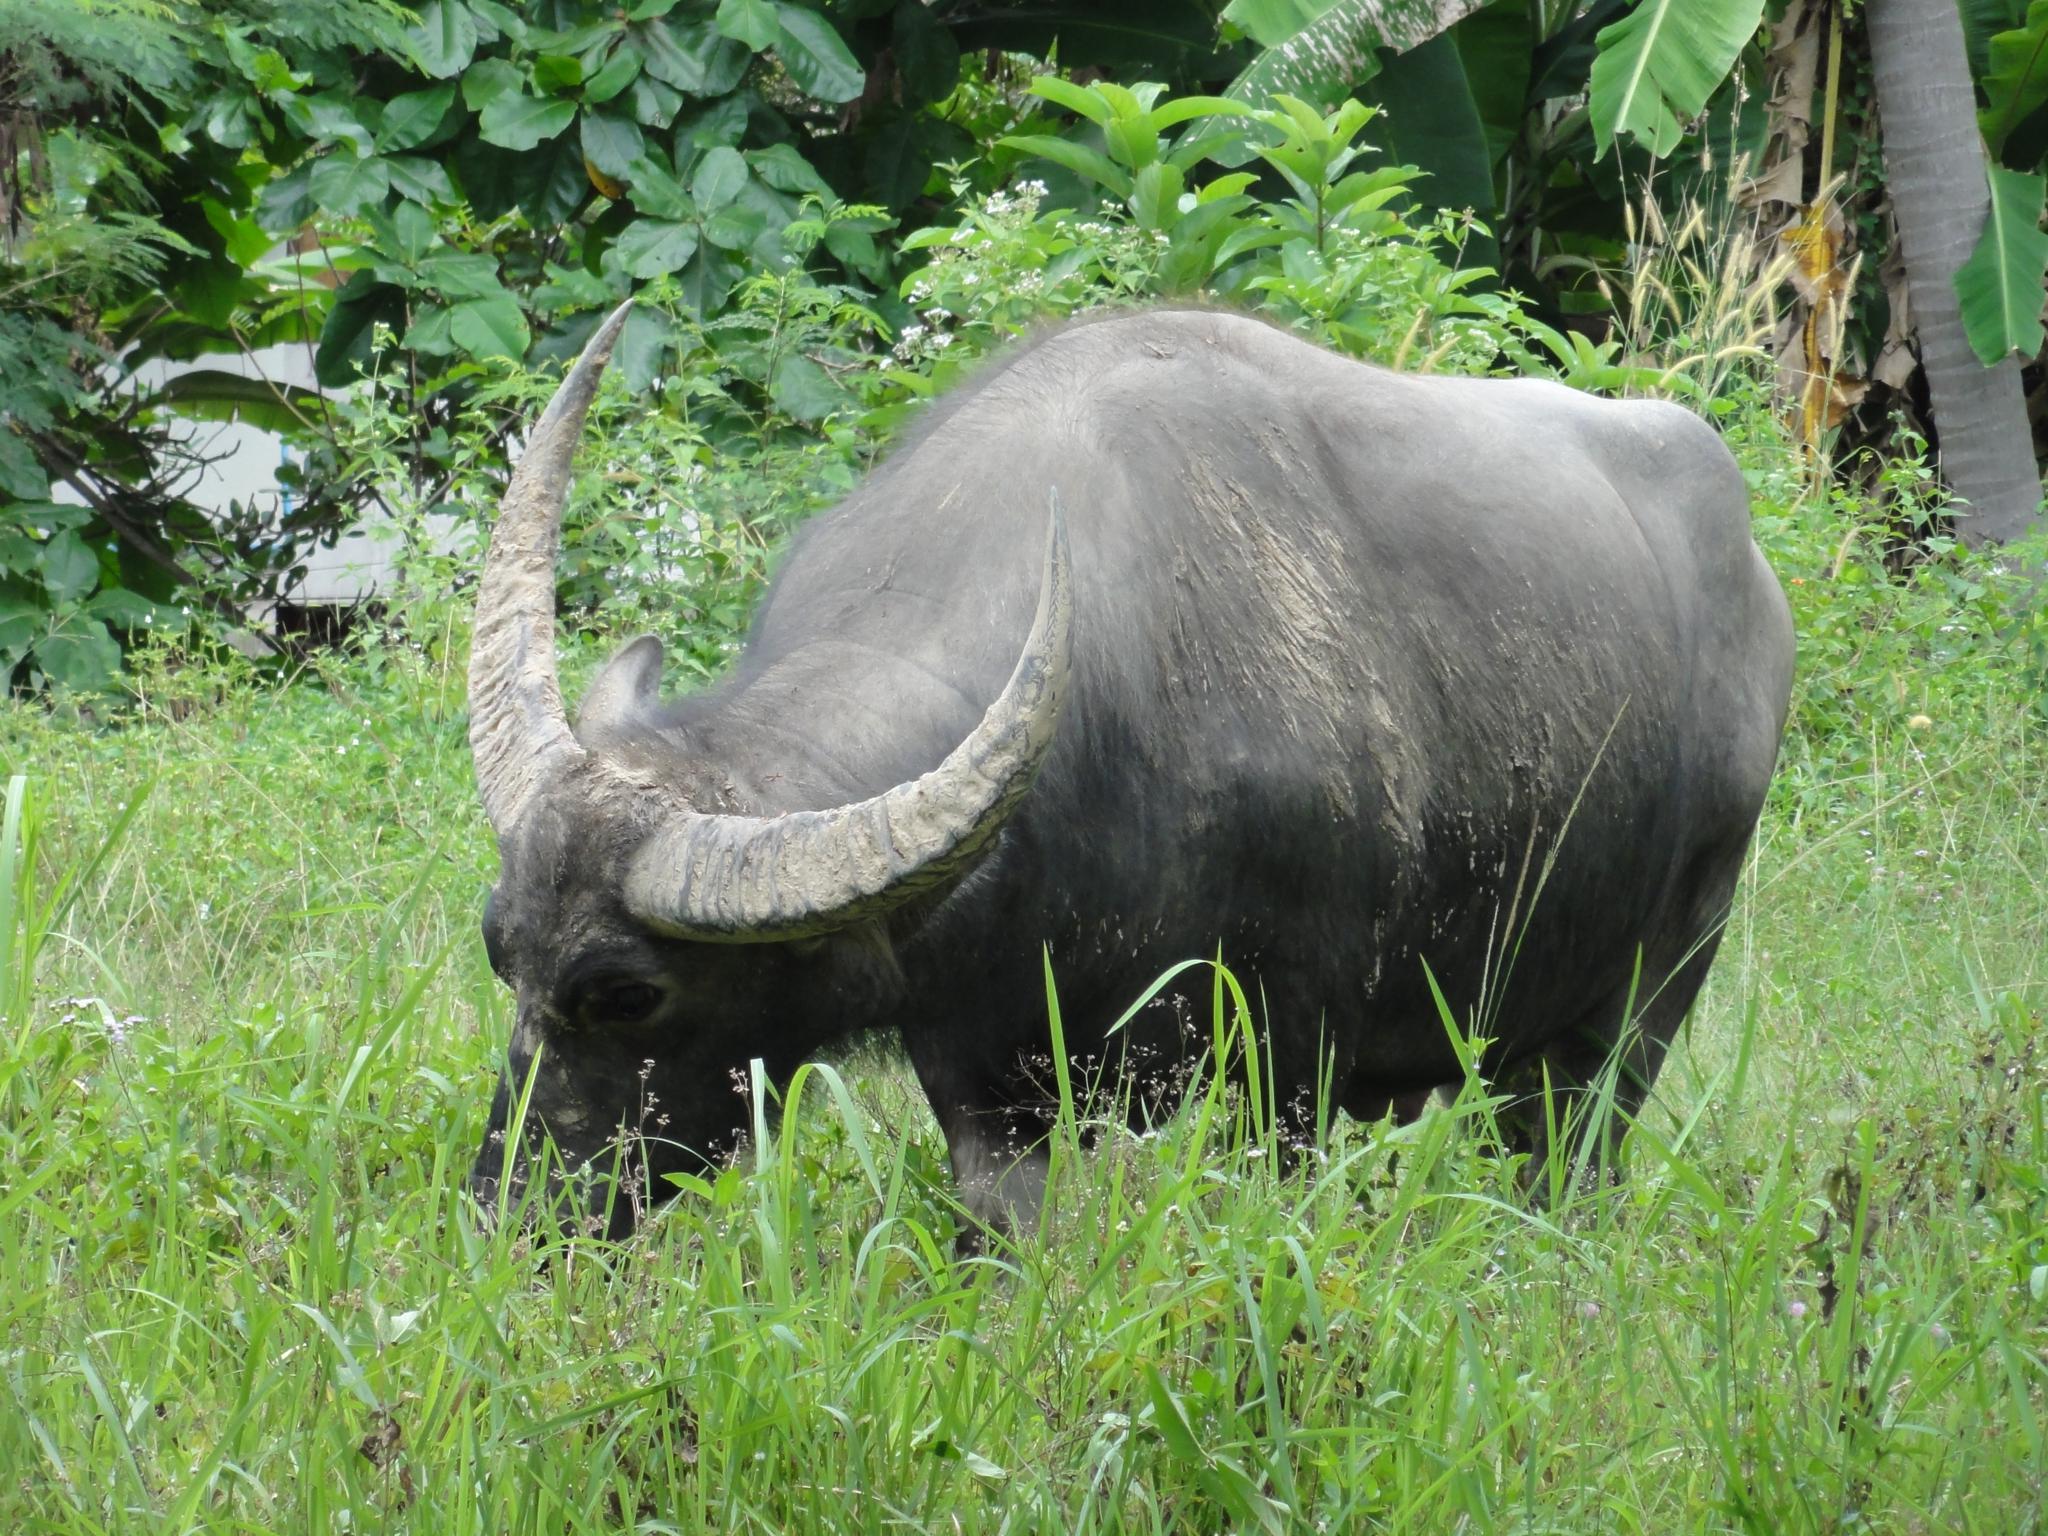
column 249, row 1037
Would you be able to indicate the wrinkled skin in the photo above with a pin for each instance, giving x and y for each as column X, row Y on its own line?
column 1369, row 671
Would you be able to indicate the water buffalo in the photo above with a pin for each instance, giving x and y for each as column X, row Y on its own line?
column 1359, row 675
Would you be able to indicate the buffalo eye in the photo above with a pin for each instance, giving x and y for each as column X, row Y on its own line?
column 624, row 1001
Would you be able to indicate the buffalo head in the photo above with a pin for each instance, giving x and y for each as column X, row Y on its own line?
column 658, row 931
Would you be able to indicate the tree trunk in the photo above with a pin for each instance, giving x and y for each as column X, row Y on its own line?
column 1934, row 162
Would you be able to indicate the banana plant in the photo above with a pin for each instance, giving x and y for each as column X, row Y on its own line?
column 1533, row 84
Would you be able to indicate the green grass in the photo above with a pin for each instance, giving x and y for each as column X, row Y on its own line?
column 248, row 1041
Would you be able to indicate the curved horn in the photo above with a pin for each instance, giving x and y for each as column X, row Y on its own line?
column 518, row 731
column 751, row 879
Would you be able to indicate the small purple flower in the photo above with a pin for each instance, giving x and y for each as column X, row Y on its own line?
column 1589, row 1310
column 1795, row 1310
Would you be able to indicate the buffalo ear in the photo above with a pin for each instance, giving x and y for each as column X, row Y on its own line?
column 628, row 687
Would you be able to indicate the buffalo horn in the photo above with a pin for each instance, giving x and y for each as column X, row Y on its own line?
column 519, row 733
column 754, row 879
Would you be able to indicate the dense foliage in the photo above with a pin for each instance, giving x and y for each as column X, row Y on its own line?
column 444, row 200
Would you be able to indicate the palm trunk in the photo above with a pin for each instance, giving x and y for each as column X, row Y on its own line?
column 1935, row 164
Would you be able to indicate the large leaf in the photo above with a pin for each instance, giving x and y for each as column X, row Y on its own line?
column 489, row 327
column 1658, row 65
column 651, row 247
column 420, row 179
column 1319, row 50
column 445, row 40
column 345, row 340
column 82, row 656
column 720, row 177
column 816, row 57
column 691, row 56
column 410, row 120
column 751, row 22
column 611, row 145
column 927, row 56
column 214, row 394
column 1432, row 122
column 1493, row 45
column 342, row 183
column 1078, row 158
column 2016, row 77
column 70, row 568
column 2000, row 285
column 521, row 122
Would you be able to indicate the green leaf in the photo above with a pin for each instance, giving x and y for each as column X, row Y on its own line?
column 429, row 331
column 1077, row 99
column 462, row 275
column 1078, row 158
column 652, row 103
column 521, row 122
column 720, row 177
column 234, row 121
column 618, row 73
column 2000, row 286
column 1155, row 197
column 404, row 236
column 751, row 22
column 341, row 183
column 333, row 119
column 488, row 80
column 556, row 73
column 214, row 394
column 800, row 388
column 653, row 247
column 1493, row 45
column 2015, row 82
column 20, row 474
column 1432, row 121
column 411, row 119
column 120, row 608
column 287, row 201
column 1171, row 1420
column 1658, row 65
column 445, row 40
column 927, row 55
column 70, row 569
column 735, row 228
column 694, row 57
column 1319, row 50
column 898, row 161
column 656, row 192
column 816, row 57
column 82, row 656
column 486, row 328
column 612, row 144
column 20, row 623
column 420, row 179
column 46, row 515
column 1269, row 23
column 361, row 306
column 573, row 288
column 708, row 279
column 785, row 170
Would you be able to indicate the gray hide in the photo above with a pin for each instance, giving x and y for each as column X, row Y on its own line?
column 1367, row 670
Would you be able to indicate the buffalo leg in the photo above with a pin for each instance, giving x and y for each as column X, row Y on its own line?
column 1633, row 1034
column 999, row 1171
